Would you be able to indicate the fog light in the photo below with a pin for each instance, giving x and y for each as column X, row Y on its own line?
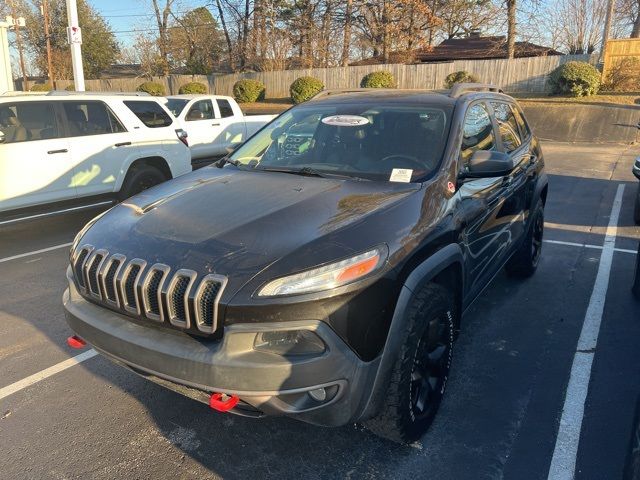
column 319, row 394
column 289, row 342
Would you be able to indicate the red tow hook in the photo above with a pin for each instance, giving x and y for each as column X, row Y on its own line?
column 223, row 402
column 75, row 341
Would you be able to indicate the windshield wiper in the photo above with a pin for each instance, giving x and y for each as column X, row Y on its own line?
column 312, row 172
column 224, row 160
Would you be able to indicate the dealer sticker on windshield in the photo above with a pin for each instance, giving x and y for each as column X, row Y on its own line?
column 401, row 175
column 345, row 120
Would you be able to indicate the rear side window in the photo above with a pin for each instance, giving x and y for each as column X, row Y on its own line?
column 225, row 108
column 202, row 110
column 525, row 133
column 149, row 113
column 27, row 121
column 90, row 118
column 477, row 132
column 507, row 126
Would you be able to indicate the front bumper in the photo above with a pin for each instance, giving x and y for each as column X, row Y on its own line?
column 267, row 384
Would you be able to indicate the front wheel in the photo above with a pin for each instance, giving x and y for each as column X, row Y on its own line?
column 525, row 261
column 421, row 370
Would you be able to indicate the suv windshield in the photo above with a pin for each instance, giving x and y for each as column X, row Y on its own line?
column 176, row 105
column 351, row 139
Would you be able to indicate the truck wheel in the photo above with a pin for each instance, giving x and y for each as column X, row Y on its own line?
column 524, row 262
column 636, row 210
column 421, row 370
column 138, row 179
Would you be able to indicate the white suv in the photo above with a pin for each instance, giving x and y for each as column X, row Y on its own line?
column 69, row 150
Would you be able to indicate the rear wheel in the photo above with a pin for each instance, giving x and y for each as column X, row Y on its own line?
column 636, row 211
column 140, row 178
column 421, row 370
column 525, row 261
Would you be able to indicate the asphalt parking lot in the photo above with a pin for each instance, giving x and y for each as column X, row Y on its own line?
column 500, row 418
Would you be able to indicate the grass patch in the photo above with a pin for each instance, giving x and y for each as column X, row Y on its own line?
column 266, row 107
column 604, row 98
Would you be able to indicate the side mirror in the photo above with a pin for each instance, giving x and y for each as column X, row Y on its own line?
column 489, row 163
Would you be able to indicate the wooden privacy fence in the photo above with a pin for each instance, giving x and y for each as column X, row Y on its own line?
column 521, row 75
column 619, row 49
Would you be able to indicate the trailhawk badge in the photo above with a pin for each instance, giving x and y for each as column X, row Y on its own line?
column 345, row 120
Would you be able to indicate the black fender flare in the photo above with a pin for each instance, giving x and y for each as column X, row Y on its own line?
column 420, row 276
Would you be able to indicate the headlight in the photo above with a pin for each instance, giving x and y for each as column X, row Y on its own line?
column 325, row 278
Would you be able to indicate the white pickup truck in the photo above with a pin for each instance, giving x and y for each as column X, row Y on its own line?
column 214, row 123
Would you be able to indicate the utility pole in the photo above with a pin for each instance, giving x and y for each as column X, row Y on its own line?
column 74, row 35
column 16, row 27
column 45, row 14
column 607, row 28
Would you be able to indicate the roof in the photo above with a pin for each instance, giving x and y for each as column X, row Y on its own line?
column 67, row 96
column 473, row 47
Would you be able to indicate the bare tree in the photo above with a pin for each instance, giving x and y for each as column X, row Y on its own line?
column 162, row 21
column 511, row 28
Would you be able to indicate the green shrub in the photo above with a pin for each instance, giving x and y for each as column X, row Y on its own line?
column 247, row 90
column 459, row 77
column 381, row 79
column 304, row 88
column 152, row 88
column 193, row 88
column 623, row 76
column 578, row 79
column 40, row 87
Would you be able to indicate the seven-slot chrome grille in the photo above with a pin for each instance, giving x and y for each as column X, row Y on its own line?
column 147, row 290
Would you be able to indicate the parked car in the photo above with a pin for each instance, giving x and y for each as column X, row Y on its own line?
column 70, row 150
column 214, row 123
column 636, row 210
column 324, row 281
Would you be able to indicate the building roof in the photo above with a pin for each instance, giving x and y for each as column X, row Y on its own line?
column 473, row 47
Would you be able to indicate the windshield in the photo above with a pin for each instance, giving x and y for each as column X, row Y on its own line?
column 176, row 105
column 365, row 141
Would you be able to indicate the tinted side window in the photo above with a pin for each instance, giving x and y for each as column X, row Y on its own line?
column 28, row 121
column 524, row 128
column 507, row 126
column 149, row 113
column 477, row 132
column 91, row 118
column 225, row 108
column 202, row 110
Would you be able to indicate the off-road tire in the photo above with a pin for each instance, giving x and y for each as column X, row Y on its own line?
column 525, row 260
column 636, row 210
column 430, row 320
column 139, row 179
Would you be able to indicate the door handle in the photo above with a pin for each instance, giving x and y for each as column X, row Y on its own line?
column 122, row 144
column 62, row 150
column 216, row 124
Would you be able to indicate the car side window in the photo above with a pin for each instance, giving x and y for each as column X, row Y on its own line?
column 525, row 133
column 201, row 110
column 225, row 108
column 150, row 113
column 28, row 121
column 507, row 126
column 477, row 132
column 90, row 118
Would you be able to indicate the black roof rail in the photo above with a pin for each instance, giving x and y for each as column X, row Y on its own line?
column 65, row 93
column 462, row 88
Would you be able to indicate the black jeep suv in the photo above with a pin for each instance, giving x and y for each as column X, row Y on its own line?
column 320, row 271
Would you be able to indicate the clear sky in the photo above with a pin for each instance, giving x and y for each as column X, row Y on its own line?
column 130, row 17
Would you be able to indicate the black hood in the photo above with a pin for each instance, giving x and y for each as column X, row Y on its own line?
column 236, row 223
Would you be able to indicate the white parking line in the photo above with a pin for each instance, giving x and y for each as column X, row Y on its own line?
column 586, row 245
column 36, row 377
column 563, row 462
column 35, row 252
